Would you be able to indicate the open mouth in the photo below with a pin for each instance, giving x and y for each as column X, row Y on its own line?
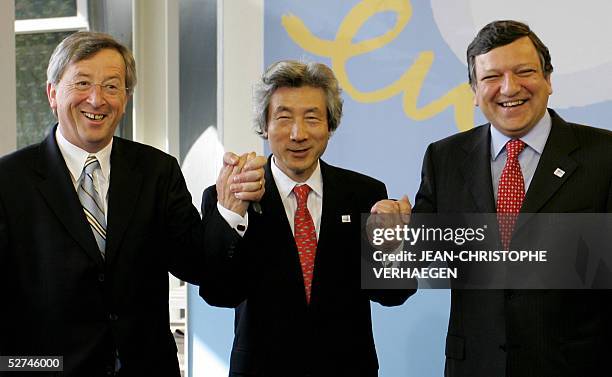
column 93, row 116
column 512, row 103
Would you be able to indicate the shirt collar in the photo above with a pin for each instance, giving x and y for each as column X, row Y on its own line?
column 75, row 157
column 285, row 184
column 535, row 138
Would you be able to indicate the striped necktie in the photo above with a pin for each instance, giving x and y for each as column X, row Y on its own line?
column 91, row 202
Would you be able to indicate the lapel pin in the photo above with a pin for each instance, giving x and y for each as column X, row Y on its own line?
column 346, row 218
column 559, row 173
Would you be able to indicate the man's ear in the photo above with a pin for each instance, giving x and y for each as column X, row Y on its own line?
column 128, row 99
column 51, row 96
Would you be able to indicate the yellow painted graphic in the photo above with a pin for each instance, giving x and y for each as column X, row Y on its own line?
column 341, row 49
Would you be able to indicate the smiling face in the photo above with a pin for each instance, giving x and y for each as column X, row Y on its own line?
column 297, row 129
column 511, row 88
column 88, row 118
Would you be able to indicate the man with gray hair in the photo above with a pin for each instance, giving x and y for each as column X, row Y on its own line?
column 294, row 278
column 91, row 224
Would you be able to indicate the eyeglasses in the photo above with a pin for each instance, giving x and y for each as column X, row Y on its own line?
column 108, row 89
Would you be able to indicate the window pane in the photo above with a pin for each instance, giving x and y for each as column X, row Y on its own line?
column 28, row 9
column 34, row 116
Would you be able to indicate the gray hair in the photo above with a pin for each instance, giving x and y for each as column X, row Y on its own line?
column 501, row 33
column 291, row 73
column 83, row 44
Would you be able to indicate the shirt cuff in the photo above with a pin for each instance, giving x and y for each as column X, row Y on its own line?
column 234, row 220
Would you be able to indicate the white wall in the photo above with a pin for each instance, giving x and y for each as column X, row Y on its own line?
column 8, row 99
column 240, row 33
column 156, row 100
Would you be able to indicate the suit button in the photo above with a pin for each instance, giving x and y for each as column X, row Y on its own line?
column 101, row 277
column 502, row 347
column 113, row 317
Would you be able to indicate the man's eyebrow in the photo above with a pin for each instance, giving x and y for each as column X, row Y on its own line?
column 280, row 108
column 489, row 70
column 88, row 76
column 526, row 65
column 81, row 74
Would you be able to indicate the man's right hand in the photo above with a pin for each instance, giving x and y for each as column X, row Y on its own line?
column 402, row 208
column 388, row 214
column 241, row 181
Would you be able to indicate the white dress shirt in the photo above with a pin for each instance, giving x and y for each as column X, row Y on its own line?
column 285, row 186
column 75, row 158
column 535, row 140
column 237, row 222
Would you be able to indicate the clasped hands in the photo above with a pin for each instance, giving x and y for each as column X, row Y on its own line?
column 388, row 214
column 241, row 181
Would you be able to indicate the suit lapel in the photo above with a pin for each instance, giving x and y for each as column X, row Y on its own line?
column 59, row 193
column 272, row 205
column 332, row 197
column 336, row 196
column 561, row 142
column 125, row 184
column 276, row 221
column 476, row 170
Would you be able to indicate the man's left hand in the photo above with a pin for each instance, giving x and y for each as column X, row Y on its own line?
column 241, row 181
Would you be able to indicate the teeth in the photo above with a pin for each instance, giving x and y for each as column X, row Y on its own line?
column 513, row 103
column 94, row 116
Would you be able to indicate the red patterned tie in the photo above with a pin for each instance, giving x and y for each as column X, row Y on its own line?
column 511, row 192
column 305, row 236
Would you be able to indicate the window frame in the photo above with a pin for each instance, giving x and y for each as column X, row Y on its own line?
column 55, row 24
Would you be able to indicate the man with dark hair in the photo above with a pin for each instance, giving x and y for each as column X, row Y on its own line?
column 500, row 33
column 91, row 224
column 294, row 278
column 527, row 159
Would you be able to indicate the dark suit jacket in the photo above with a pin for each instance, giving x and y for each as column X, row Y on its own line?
column 276, row 332
column 525, row 333
column 58, row 296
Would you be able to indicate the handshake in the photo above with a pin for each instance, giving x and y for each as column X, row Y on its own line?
column 241, row 181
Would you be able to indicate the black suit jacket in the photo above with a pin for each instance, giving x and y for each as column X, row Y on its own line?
column 525, row 333
column 58, row 296
column 276, row 332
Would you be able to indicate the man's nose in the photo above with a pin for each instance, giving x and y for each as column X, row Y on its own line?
column 298, row 130
column 96, row 95
column 510, row 85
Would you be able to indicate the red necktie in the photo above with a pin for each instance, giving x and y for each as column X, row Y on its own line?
column 305, row 236
column 511, row 192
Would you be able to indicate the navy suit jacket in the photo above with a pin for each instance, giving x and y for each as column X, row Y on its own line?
column 518, row 333
column 276, row 332
column 59, row 297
